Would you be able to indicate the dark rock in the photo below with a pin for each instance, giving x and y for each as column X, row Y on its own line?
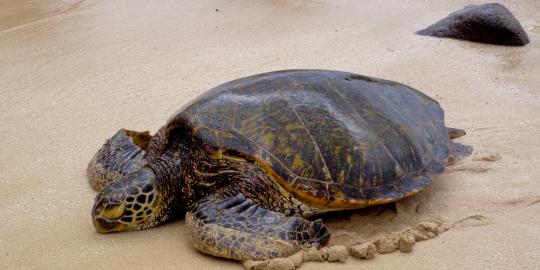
column 489, row 23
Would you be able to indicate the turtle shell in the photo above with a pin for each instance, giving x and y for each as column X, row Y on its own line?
column 333, row 139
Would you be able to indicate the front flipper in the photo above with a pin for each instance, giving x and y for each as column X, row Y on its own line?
column 120, row 155
column 236, row 228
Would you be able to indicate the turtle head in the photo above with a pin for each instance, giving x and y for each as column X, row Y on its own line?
column 130, row 203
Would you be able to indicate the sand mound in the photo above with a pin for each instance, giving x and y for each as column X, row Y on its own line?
column 403, row 241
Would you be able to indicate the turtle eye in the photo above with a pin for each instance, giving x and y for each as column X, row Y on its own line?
column 113, row 211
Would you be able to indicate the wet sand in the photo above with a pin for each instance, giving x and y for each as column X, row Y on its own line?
column 74, row 72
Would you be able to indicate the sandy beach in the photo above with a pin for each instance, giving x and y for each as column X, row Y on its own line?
column 75, row 71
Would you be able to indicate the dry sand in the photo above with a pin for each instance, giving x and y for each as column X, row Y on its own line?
column 74, row 72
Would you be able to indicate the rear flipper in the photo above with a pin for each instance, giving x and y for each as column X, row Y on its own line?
column 236, row 228
column 457, row 151
column 455, row 132
column 120, row 155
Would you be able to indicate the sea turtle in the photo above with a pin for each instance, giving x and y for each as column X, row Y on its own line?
column 252, row 160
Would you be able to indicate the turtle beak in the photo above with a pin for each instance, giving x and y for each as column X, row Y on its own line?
column 106, row 226
column 105, row 218
column 103, row 226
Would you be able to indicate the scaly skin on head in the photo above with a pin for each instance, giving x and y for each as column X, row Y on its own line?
column 144, row 198
column 133, row 203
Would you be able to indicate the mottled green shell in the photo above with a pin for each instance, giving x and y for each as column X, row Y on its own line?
column 334, row 139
